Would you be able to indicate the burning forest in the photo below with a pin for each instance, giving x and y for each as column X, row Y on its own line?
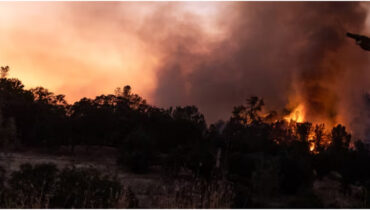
column 229, row 105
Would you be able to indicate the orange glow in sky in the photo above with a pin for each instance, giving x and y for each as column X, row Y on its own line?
column 82, row 49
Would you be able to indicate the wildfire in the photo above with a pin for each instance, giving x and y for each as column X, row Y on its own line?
column 297, row 115
column 312, row 141
column 312, row 146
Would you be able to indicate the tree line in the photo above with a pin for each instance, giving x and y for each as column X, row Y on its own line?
column 264, row 156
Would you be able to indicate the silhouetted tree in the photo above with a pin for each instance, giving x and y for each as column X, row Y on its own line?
column 303, row 131
column 319, row 137
column 340, row 138
column 4, row 71
column 136, row 152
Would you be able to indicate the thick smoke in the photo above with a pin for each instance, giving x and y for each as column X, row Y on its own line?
column 210, row 54
column 286, row 53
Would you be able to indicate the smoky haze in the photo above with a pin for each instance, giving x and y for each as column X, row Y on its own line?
column 210, row 54
column 287, row 53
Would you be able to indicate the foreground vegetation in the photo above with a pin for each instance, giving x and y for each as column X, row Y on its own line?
column 261, row 156
column 44, row 186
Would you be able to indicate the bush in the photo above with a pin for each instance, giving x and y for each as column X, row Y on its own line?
column 41, row 186
column 85, row 188
column 136, row 152
column 32, row 186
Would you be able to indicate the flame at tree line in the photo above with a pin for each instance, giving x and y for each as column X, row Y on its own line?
column 181, row 63
column 188, row 66
column 318, row 135
column 297, row 115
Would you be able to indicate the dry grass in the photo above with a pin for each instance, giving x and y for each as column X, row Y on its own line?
column 197, row 194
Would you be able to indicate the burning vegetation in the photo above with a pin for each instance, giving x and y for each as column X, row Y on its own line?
column 315, row 134
column 254, row 158
column 247, row 161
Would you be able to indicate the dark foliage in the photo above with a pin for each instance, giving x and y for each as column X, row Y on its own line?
column 43, row 186
column 32, row 185
column 85, row 188
column 261, row 154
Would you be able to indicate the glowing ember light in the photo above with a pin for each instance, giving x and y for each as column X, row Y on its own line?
column 312, row 141
column 312, row 146
column 297, row 115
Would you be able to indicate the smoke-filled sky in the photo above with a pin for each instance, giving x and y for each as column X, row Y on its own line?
column 210, row 54
column 87, row 48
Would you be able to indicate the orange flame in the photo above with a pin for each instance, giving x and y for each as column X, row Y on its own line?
column 312, row 141
column 297, row 115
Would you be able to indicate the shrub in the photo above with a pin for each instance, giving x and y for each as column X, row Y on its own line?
column 32, row 186
column 85, row 188
column 136, row 152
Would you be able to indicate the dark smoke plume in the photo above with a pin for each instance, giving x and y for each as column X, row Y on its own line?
column 210, row 54
column 283, row 52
